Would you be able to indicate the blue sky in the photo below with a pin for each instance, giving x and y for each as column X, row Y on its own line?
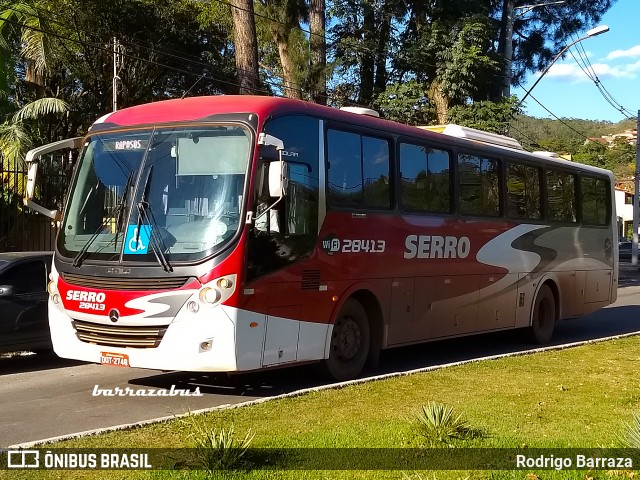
column 615, row 56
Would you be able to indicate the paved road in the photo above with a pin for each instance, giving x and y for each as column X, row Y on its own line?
column 43, row 397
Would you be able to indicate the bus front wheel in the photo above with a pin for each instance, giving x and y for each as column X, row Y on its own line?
column 543, row 319
column 350, row 342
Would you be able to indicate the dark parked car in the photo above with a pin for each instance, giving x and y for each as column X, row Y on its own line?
column 624, row 251
column 23, row 302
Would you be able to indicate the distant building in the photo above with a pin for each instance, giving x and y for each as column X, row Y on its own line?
column 624, row 211
column 628, row 136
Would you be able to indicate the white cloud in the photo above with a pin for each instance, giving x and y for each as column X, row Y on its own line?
column 572, row 72
column 632, row 52
column 603, row 70
column 565, row 70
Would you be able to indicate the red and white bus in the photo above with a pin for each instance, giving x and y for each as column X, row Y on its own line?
column 237, row 233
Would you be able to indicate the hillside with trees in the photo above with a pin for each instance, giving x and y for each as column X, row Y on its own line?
column 568, row 137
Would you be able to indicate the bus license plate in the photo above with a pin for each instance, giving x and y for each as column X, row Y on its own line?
column 114, row 359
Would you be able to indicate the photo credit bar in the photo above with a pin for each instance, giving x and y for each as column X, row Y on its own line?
column 528, row 460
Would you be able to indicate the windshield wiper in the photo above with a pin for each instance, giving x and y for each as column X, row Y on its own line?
column 155, row 239
column 118, row 210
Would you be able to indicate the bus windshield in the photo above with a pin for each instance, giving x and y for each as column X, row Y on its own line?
column 169, row 192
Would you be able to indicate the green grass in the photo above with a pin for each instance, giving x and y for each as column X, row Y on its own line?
column 579, row 397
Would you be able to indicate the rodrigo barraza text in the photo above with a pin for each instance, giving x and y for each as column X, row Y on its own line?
column 579, row 461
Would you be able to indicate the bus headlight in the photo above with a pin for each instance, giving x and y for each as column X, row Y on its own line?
column 51, row 288
column 55, row 298
column 209, row 295
column 218, row 290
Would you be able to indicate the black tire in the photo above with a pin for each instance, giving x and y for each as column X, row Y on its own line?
column 350, row 342
column 543, row 317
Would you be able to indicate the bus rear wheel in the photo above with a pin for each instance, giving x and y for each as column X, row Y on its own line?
column 543, row 319
column 350, row 342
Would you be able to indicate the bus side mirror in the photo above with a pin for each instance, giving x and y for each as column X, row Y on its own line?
column 32, row 160
column 278, row 170
column 278, row 178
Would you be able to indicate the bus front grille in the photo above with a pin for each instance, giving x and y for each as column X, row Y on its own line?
column 120, row 283
column 119, row 336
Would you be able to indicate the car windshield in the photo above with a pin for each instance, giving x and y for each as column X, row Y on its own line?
column 188, row 185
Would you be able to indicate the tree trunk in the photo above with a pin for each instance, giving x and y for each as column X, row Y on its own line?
column 439, row 100
column 382, row 48
column 291, row 85
column 367, row 60
column 318, row 47
column 246, row 46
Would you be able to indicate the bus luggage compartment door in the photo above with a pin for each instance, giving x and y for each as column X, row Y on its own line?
column 598, row 286
column 403, row 327
column 281, row 339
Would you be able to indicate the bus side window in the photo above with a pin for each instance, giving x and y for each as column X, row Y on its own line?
column 358, row 170
column 479, row 183
column 595, row 201
column 425, row 180
column 561, row 196
column 523, row 187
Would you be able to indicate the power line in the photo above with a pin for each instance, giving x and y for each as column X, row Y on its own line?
column 556, row 117
column 591, row 74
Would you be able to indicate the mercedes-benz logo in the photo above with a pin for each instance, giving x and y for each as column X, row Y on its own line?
column 114, row 315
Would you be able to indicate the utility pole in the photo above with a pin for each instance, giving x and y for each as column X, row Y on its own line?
column 510, row 12
column 117, row 65
column 636, row 210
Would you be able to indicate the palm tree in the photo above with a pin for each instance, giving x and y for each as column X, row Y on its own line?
column 29, row 47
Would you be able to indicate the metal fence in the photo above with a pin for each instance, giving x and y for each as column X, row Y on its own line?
column 20, row 228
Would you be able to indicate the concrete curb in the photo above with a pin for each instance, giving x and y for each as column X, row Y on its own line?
column 304, row 391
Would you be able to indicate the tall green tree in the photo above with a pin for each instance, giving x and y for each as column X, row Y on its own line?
column 455, row 48
column 282, row 19
column 363, row 43
column 453, row 59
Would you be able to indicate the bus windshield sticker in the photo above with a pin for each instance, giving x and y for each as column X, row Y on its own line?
column 137, row 243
